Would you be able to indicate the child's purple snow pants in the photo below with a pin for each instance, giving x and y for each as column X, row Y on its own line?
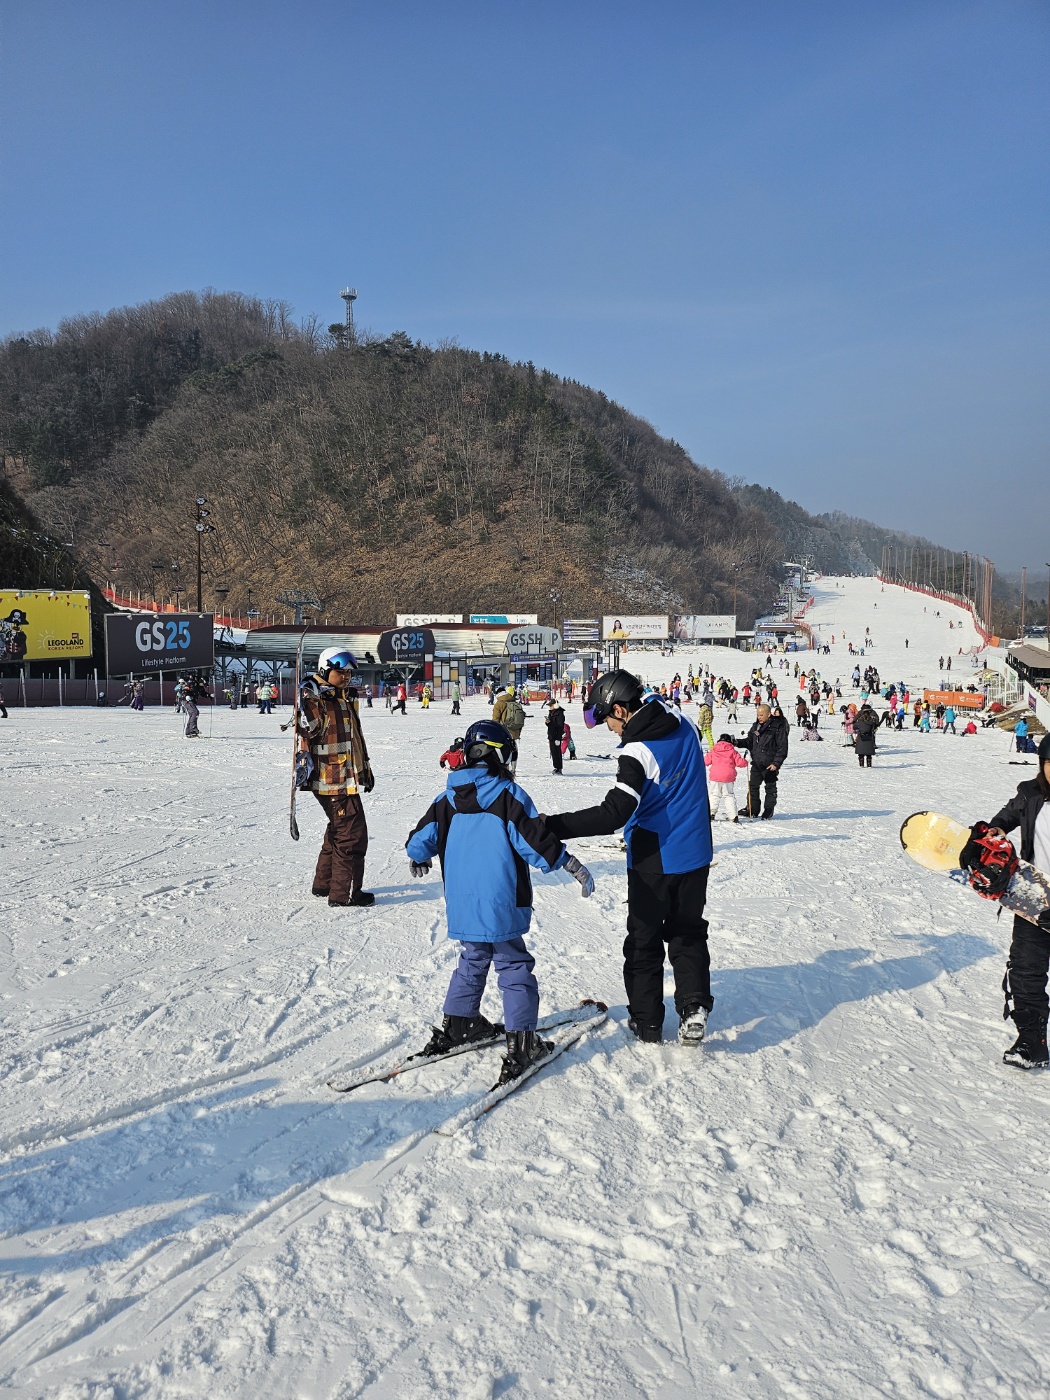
column 513, row 963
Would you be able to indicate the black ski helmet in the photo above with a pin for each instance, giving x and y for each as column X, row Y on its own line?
column 1044, row 748
column 487, row 740
column 614, row 688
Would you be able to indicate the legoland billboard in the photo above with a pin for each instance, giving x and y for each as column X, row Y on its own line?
column 36, row 624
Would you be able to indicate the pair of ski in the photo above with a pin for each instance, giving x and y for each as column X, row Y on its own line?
column 574, row 1024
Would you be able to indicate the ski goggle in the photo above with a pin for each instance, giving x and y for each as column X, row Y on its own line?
column 341, row 661
column 591, row 718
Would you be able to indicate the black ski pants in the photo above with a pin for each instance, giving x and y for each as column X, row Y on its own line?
column 757, row 777
column 556, row 754
column 666, row 909
column 1026, row 972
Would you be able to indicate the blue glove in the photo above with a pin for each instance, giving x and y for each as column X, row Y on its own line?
column 581, row 873
column 419, row 868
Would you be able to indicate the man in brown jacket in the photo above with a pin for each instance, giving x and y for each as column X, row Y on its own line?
column 329, row 727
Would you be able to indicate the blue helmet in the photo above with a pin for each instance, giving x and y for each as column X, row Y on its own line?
column 485, row 740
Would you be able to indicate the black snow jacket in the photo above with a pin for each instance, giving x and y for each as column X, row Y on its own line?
column 767, row 743
column 864, row 727
column 1022, row 810
column 555, row 724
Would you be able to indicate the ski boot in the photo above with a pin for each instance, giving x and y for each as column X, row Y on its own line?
column 652, row 1032
column 1029, row 1050
column 459, row 1030
column 524, row 1048
column 692, row 1025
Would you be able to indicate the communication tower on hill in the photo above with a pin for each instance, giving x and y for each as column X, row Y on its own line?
column 349, row 295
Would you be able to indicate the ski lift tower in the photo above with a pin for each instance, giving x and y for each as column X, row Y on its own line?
column 349, row 295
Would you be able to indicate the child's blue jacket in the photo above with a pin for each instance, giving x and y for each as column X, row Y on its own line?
column 486, row 832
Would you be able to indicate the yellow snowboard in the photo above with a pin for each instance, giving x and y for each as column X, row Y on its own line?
column 934, row 841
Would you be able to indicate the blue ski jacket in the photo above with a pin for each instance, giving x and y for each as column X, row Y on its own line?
column 486, row 832
column 660, row 796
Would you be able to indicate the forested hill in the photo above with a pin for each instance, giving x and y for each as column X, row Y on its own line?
column 381, row 475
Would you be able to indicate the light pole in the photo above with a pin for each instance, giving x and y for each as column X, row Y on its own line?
column 202, row 529
column 555, row 599
column 1048, row 609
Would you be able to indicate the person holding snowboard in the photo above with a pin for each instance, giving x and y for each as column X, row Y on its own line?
column 767, row 742
column 195, row 691
column 1029, row 958
column 660, row 799
column 485, row 831
column 329, row 727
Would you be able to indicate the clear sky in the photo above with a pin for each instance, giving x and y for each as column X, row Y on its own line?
column 810, row 241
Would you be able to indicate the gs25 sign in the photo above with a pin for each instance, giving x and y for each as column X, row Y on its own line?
column 403, row 644
column 163, row 636
column 177, row 642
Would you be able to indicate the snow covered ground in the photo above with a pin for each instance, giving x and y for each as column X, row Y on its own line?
column 844, row 1193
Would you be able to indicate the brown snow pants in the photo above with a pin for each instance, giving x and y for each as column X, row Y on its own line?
column 341, row 865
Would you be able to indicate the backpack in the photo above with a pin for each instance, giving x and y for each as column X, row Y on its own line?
column 513, row 715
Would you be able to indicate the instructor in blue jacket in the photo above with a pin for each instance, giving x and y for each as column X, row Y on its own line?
column 660, row 799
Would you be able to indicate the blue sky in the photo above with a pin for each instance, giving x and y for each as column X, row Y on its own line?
column 809, row 241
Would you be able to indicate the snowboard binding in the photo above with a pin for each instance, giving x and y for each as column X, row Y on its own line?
column 989, row 860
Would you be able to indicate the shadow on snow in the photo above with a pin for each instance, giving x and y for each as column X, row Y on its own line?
column 792, row 997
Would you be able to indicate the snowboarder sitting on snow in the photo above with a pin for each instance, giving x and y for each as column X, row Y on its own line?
column 1029, row 958
column 485, row 831
column 328, row 726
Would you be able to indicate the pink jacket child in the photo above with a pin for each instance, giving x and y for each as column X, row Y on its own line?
column 725, row 761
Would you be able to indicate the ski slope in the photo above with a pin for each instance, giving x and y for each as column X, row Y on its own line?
column 843, row 1193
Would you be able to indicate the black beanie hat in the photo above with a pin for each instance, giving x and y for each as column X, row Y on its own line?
column 1044, row 748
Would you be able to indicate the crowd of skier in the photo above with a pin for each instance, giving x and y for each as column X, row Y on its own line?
column 487, row 832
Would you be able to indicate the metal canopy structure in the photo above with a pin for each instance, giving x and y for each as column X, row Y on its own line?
column 1032, row 664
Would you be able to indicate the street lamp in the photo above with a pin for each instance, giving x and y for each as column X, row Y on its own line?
column 555, row 599
column 202, row 529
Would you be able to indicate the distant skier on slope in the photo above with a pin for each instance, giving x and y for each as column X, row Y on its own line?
column 660, row 798
column 485, row 831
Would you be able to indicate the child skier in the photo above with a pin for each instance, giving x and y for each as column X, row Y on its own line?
column 724, row 762
column 486, row 832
